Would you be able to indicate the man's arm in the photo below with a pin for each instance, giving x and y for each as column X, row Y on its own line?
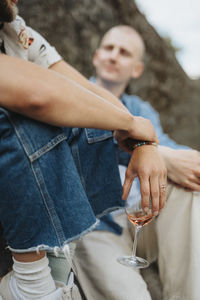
column 183, row 166
column 182, row 162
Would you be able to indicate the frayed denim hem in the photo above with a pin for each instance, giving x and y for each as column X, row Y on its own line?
column 64, row 248
column 56, row 249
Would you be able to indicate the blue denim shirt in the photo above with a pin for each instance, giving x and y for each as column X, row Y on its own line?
column 137, row 107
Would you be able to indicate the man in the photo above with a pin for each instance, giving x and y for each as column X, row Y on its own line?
column 119, row 59
column 43, row 203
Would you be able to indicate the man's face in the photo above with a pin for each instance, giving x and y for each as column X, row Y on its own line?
column 8, row 10
column 118, row 59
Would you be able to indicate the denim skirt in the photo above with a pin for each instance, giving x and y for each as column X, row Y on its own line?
column 54, row 182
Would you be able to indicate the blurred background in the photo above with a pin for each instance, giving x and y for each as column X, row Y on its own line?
column 178, row 22
column 171, row 81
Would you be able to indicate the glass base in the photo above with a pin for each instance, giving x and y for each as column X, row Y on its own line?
column 133, row 261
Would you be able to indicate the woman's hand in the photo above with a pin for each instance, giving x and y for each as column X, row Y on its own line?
column 147, row 164
column 140, row 129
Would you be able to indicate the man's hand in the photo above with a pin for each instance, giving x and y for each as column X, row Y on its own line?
column 147, row 164
column 183, row 167
column 141, row 129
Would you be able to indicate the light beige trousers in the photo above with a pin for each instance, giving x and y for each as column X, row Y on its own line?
column 99, row 273
column 172, row 237
column 178, row 237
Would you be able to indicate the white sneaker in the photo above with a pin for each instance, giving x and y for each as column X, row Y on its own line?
column 5, row 292
column 69, row 291
column 62, row 292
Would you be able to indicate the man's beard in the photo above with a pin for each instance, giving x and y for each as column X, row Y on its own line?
column 8, row 11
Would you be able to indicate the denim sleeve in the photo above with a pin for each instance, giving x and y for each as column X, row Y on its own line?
column 147, row 111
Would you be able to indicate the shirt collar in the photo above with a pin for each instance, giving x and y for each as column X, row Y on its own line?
column 123, row 96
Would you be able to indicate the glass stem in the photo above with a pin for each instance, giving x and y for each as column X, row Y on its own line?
column 137, row 230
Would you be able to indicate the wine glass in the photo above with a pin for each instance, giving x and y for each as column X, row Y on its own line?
column 138, row 218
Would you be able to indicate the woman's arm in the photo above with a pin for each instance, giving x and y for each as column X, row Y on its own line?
column 52, row 98
column 64, row 68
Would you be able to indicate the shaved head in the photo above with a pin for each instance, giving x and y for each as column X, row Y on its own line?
column 119, row 58
column 132, row 34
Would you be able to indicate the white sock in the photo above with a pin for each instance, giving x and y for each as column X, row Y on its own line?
column 32, row 280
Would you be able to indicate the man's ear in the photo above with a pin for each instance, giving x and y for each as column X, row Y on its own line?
column 138, row 69
column 95, row 58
